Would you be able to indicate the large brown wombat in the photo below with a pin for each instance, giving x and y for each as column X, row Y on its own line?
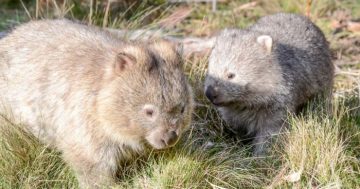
column 92, row 96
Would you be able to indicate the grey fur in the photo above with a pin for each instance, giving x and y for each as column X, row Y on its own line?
column 268, row 84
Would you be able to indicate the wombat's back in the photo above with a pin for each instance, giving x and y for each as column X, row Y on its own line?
column 54, row 30
column 58, row 41
column 291, row 29
column 43, row 52
column 44, row 64
column 302, row 51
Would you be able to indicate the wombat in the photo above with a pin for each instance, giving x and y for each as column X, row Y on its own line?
column 97, row 99
column 259, row 74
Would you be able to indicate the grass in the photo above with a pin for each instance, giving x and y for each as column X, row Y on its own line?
column 25, row 163
column 320, row 150
column 316, row 154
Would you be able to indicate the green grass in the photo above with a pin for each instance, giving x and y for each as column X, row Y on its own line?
column 25, row 163
column 320, row 150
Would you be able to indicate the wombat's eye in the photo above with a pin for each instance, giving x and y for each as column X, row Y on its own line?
column 230, row 75
column 149, row 113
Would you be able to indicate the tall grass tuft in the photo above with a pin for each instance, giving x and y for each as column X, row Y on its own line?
column 26, row 163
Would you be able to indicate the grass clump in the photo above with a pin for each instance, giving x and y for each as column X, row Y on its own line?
column 316, row 154
column 26, row 163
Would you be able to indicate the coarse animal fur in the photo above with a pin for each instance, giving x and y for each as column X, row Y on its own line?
column 259, row 74
column 96, row 98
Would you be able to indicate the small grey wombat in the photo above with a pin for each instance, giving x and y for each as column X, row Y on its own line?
column 257, row 74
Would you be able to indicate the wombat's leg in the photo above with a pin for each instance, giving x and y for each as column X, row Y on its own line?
column 261, row 144
column 263, row 136
column 92, row 172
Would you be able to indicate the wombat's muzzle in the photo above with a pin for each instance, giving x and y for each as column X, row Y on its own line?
column 171, row 138
column 211, row 94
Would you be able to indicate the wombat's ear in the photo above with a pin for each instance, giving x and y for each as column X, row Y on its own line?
column 123, row 61
column 167, row 50
column 266, row 41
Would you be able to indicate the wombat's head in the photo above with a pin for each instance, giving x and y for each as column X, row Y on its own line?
column 147, row 97
column 241, row 69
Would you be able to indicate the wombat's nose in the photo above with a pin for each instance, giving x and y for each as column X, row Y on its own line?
column 171, row 138
column 210, row 93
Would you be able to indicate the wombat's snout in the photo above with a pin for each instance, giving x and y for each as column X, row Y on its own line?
column 212, row 94
column 170, row 138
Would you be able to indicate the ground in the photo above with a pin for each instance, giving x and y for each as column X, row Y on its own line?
column 320, row 150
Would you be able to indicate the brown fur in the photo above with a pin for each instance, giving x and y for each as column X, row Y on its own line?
column 92, row 96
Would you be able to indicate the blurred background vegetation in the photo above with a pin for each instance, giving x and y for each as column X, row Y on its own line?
column 236, row 12
column 337, row 18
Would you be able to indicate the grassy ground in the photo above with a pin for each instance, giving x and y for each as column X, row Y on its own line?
column 318, row 151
